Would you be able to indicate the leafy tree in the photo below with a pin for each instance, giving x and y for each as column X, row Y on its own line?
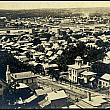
column 39, row 69
column 40, row 48
column 36, row 41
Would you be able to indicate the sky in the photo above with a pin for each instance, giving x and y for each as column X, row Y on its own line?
column 51, row 4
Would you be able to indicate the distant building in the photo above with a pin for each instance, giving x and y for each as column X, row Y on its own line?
column 104, row 81
column 21, row 77
column 106, row 59
column 24, row 77
column 75, row 70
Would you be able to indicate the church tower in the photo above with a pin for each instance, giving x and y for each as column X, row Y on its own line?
column 8, row 78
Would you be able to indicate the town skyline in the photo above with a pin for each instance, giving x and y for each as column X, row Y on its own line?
column 19, row 5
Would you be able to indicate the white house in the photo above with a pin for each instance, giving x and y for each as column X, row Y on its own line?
column 104, row 81
column 75, row 70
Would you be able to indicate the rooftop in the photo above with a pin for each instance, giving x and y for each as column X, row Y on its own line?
column 77, row 67
column 43, row 91
column 56, row 95
column 87, row 73
column 21, row 86
column 78, row 58
column 95, row 101
column 106, row 77
column 33, row 97
column 23, row 75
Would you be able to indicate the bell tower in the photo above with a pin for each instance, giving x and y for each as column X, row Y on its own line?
column 8, row 78
column 78, row 61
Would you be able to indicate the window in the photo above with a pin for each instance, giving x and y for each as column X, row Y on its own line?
column 27, row 81
column 32, row 81
column 103, row 83
column 99, row 82
column 106, row 84
column 21, row 81
column 0, row 86
column 74, row 72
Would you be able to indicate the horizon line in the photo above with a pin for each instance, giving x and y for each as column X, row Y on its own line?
column 53, row 8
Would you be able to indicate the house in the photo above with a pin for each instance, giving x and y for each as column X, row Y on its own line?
column 87, row 78
column 106, row 59
column 92, row 45
column 21, row 77
column 48, row 66
column 43, row 91
column 59, row 52
column 49, row 53
column 24, row 95
column 54, row 99
column 52, row 58
column 84, row 39
column 104, row 81
column 75, row 70
column 22, row 58
column 24, row 77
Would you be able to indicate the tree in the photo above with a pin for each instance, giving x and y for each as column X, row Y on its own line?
column 99, row 42
column 39, row 69
column 53, row 73
column 69, row 40
column 36, row 41
column 40, row 48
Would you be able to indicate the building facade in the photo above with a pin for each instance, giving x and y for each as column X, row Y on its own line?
column 104, row 81
column 75, row 70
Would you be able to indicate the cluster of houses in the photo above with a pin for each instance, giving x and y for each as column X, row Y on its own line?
column 47, row 97
column 20, row 44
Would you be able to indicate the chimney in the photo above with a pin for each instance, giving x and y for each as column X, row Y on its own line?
column 87, row 63
column 89, row 96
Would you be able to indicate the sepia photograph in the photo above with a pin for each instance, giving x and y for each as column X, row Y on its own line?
column 54, row 54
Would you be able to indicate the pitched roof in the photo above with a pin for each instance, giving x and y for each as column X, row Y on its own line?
column 21, row 85
column 87, row 73
column 49, row 53
column 108, row 54
column 95, row 100
column 106, row 77
column 43, row 91
column 23, row 75
column 56, row 95
column 59, row 52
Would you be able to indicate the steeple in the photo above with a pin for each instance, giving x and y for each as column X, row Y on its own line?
column 8, row 79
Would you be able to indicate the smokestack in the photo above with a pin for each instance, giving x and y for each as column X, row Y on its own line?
column 89, row 96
